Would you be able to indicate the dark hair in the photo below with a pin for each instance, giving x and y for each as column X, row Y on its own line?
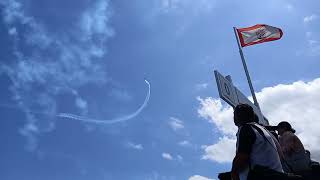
column 244, row 113
column 285, row 125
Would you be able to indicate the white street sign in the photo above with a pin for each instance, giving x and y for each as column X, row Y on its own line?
column 233, row 96
column 226, row 89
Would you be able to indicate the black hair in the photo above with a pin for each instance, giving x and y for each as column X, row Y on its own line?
column 287, row 126
column 244, row 113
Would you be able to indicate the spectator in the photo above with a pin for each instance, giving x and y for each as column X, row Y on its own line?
column 255, row 146
column 292, row 148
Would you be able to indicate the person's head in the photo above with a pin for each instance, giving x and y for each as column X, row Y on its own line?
column 243, row 113
column 283, row 127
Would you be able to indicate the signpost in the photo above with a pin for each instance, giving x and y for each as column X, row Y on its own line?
column 233, row 96
column 226, row 89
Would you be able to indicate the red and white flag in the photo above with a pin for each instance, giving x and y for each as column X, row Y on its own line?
column 258, row 34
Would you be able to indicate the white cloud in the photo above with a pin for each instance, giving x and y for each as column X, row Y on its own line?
column 176, row 123
column 167, row 156
column 221, row 116
column 12, row 31
column 183, row 6
column 29, row 131
column 154, row 176
column 310, row 18
column 58, row 64
column 82, row 104
column 13, row 12
column 198, row 177
column 222, row 152
column 95, row 20
column 201, row 86
column 39, row 36
column 297, row 103
column 183, row 11
column 135, row 146
column 186, row 10
column 184, row 143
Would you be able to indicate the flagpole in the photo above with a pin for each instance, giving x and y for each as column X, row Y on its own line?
column 246, row 70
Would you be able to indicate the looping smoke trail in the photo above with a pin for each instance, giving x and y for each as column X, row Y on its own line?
column 111, row 121
column 91, row 120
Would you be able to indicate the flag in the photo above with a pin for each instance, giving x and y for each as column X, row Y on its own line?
column 258, row 34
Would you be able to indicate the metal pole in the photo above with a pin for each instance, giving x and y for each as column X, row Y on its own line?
column 246, row 70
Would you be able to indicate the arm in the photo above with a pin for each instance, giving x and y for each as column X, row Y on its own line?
column 240, row 162
column 289, row 144
column 298, row 146
column 246, row 140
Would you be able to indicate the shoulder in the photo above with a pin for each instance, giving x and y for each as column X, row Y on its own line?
column 247, row 131
column 289, row 136
column 246, row 128
column 246, row 139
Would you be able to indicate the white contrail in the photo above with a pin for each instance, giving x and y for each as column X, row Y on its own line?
column 91, row 120
column 110, row 121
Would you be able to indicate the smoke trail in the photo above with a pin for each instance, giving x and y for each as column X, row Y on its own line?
column 91, row 120
column 110, row 121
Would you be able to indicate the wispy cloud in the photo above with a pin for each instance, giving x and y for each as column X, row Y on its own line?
column 184, row 6
column 170, row 157
column 184, row 10
column 167, row 156
column 313, row 43
column 176, row 123
column 29, row 131
column 12, row 31
column 153, row 176
column 55, row 63
column 289, row 7
column 314, row 48
column 279, row 103
column 201, row 86
column 120, row 94
column 134, row 146
column 82, row 104
column 184, row 143
column 310, row 18
column 95, row 20
column 198, row 177
column 13, row 12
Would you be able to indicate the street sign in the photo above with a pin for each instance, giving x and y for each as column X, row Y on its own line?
column 226, row 89
column 233, row 96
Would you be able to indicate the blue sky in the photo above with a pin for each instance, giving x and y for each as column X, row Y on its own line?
column 90, row 58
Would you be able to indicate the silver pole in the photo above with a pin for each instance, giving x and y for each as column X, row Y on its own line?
column 246, row 70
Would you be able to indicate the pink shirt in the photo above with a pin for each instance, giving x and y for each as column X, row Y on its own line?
column 290, row 143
